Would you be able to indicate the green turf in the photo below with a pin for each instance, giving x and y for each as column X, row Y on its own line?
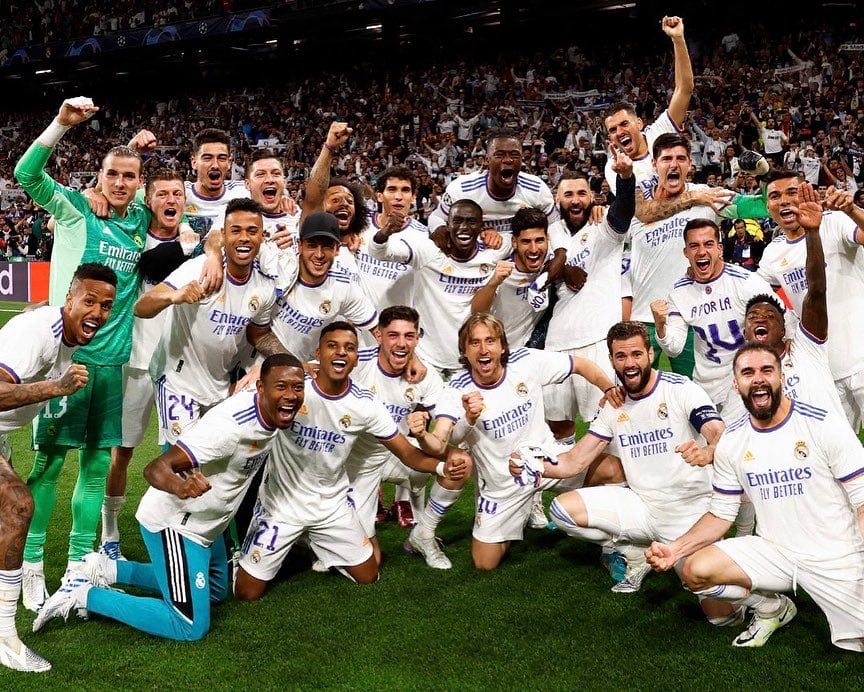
column 546, row 619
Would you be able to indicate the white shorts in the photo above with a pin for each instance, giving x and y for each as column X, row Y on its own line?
column 338, row 541
column 851, row 391
column 138, row 397
column 626, row 517
column 576, row 395
column 770, row 569
column 176, row 412
column 366, row 479
column 503, row 518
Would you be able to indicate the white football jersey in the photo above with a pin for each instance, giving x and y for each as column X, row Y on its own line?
column 443, row 289
column 643, row 167
column 300, row 314
column 306, row 476
column 207, row 213
column 201, row 342
column 783, row 264
column 583, row 318
column 793, row 475
column 513, row 413
column 399, row 396
column 715, row 309
column 646, row 432
column 32, row 349
column 146, row 333
column 519, row 306
column 228, row 446
column 386, row 283
column 807, row 374
column 657, row 254
column 530, row 191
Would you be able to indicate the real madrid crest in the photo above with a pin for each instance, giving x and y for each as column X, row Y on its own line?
column 485, row 268
column 325, row 307
column 176, row 428
column 522, row 389
column 409, row 395
column 254, row 304
column 801, row 451
column 584, row 238
column 345, row 421
column 662, row 411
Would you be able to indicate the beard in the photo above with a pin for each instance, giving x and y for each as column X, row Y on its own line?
column 644, row 377
column 565, row 216
column 767, row 412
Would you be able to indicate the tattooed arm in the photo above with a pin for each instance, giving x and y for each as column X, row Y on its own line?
column 14, row 395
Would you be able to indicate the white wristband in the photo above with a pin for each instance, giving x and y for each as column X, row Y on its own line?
column 52, row 134
column 439, row 470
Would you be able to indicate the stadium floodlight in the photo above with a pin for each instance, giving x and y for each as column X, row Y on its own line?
column 45, row 71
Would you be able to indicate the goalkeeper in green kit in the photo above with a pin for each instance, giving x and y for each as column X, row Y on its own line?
column 90, row 419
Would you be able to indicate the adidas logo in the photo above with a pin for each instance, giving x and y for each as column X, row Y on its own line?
column 623, row 418
column 748, row 456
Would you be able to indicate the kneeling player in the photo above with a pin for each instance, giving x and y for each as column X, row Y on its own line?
column 802, row 467
column 197, row 486
column 497, row 403
column 306, row 490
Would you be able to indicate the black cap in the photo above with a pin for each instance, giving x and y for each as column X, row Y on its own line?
column 320, row 224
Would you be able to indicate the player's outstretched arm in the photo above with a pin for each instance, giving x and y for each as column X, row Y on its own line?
column 814, row 310
column 30, row 171
column 673, row 27
column 671, row 330
column 432, row 442
column 164, row 295
column 14, row 395
column 485, row 295
column 707, row 530
column 696, row 455
column 623, row 207
column 173, row 472
column 651, row 210
column 319, row 177
column 592, row 372
column 455, row 468
column 574, row 461
column 264, row 340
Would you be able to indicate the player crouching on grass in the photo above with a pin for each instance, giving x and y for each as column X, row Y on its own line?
column 196, row 488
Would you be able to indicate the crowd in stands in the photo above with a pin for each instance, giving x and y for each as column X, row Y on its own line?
column 23, row 232
column 802, row 89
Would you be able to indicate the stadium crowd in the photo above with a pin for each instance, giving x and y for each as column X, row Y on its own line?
column 462, row 162
column 433, row 120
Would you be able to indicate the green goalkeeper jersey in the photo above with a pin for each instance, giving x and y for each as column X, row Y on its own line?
column 80, row 236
